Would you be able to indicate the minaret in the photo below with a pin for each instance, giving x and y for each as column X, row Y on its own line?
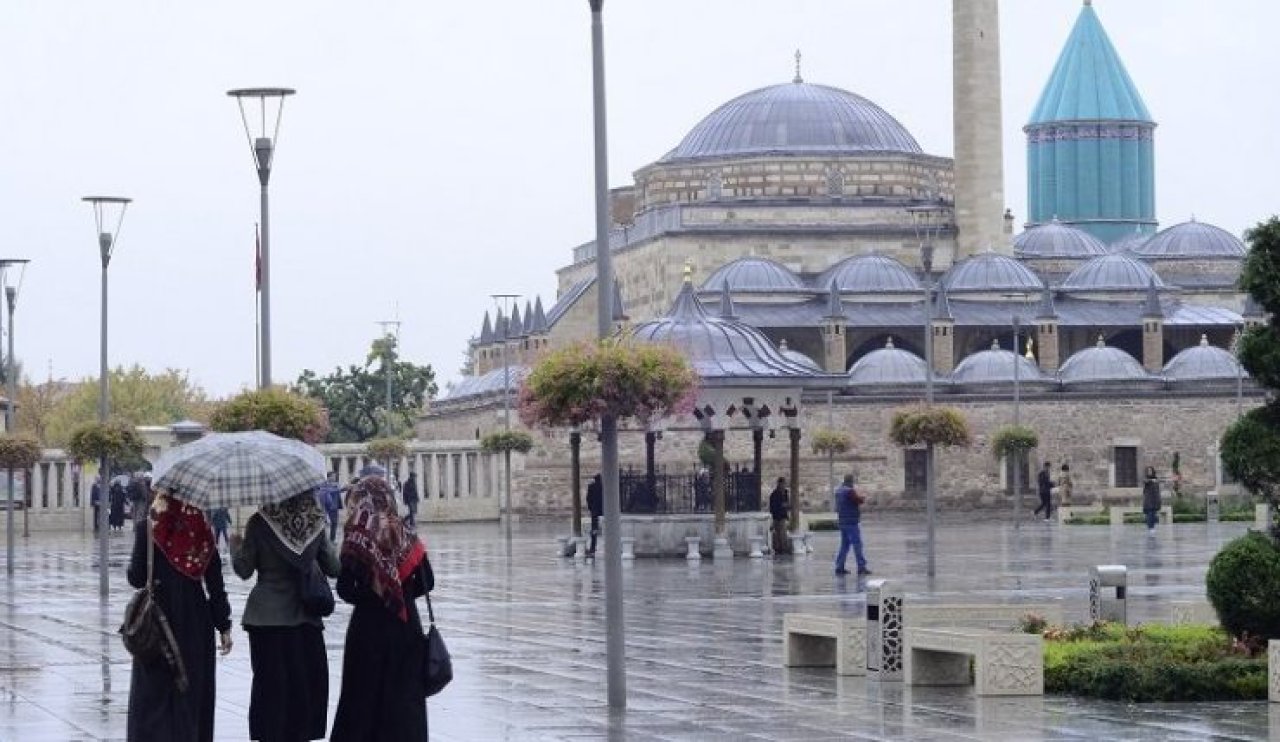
column 1152, row 331
column 834, row 350
column 979, row 153
column 1047, row 332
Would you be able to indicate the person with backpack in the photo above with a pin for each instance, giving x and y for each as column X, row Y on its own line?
column 849, row 513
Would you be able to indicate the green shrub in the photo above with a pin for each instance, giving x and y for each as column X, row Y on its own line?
column 1013, row 440
column 114, row 440
column 507, row 440
column 1188, row 506
column 833, row 442
column 1243, row 583
column 387, row 449
column 19, row 451
column 276, row 411
column 921, row 424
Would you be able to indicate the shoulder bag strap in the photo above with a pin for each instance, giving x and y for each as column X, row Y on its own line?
column 151, row 553
column 422, row 575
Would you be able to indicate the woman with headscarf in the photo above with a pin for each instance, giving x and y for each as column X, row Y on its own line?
column 190, row 591
column 289, row 700
column 384, row 568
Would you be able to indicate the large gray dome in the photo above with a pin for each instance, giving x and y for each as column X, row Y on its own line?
column 752, row 274
column 718, row 348
column 995, row 366
column 1203, row 362
column 795, row 118
column 1192, row 239
column 888, row 366
column 1114, row 272
column 1101, row 364
column 871, row 274
column 991, row 272
column 1057, row 240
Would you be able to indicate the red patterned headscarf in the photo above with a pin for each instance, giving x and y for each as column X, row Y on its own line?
column 376, row 542
column 182, row 534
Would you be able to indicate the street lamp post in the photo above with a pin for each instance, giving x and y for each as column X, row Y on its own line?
column 504, row 303
column 10, row 416
column 928, row 223
column 262, row 147
column 104, row 207
column 1017, row 420
column 615, row 645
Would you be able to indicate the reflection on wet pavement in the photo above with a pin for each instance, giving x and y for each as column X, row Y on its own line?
column 704, row 639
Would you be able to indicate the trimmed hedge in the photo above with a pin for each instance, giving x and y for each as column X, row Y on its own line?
column 1243, row 583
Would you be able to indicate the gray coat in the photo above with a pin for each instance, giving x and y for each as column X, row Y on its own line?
column 276, row 598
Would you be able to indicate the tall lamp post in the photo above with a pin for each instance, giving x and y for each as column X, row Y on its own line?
column 104, row 209
column 928, row 223
column 1017, row 420
column 10, row 416
column 615, row 642
column 262, row 145
column 504, row 303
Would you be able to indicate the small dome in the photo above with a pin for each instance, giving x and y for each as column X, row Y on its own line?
column 871, row 274
column 795, row 118
column 888, row 366
column 1130, row 243
column 486, row 383
column 1192, row 239
column 797, row 356
column 1101, row 363
column 752, row 274
column 991, row 272
column 1203, row 361
column 718, row 348
column 1114, row 272
column 1057, row 240
column 995, row 366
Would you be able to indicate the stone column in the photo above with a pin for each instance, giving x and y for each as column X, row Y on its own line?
column 795, row 479
column 464, row 475
column 716, row 439
column 575, row 474
column 1047, row 342
column 944, row 345
column 977, row 124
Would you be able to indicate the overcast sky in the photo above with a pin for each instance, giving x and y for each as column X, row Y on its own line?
column 438, row 152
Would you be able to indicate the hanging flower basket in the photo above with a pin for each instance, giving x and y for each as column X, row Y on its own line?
column 19, row 451
column 830, row 442
column 582, row 382
column 514, row 440
column 1013, row 441
column 922, row 425
column 387, row 449
column 276, row 411
column 112, row 440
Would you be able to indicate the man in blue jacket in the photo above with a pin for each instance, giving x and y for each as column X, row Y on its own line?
column 849, row 512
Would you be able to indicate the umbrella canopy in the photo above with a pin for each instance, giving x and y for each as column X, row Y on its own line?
column 226, row 470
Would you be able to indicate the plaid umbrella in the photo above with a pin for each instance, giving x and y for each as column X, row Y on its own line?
column 226, row 470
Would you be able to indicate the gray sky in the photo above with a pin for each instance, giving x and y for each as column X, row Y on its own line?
column 439, row 152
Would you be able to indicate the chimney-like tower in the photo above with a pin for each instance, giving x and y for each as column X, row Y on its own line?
column 979, row 154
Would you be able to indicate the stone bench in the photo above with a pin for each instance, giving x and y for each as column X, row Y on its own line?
column 809, row 520
column 1004, row 664
column 1067, row 512
column 1119, row 511
column 989, row 616
column 811, row 640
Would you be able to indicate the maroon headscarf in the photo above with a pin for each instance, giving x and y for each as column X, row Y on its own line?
column 376, row 540
column 182, row 534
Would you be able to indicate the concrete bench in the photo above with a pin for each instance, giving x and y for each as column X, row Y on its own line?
column 809, row 520
column 1004, row 664
column 811, row 640
column 1067, row 512
column 1118, row 512
column 988, row 616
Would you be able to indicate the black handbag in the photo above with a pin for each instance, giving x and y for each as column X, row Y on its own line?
column 437, row 666
column 146, row 632
column 317, row 595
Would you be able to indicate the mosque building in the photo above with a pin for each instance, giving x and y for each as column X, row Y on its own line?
column 806, row 223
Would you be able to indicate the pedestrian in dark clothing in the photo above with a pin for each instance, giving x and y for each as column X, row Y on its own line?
column 780, row 511
column 115, row 515
column 289, row 698
column 192, row 596
column 95, row 500
column 1151, row 498
column 595, row 505
column 1044, row 485
column 330, row 496
column 849, row 513
column 220, row 519
column 384, row 568
column 410, row 494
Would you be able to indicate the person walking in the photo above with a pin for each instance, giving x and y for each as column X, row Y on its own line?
column 95, row 501
column 780, row 511
column 289, row 697
column 188, row 573
column 118, row 494
column 330, row 496
column 220, row 519
column 595, row 505
column 410, row 494
column 384, row 568
column 849, row 513
column 1044, row 486
column 1151, row 498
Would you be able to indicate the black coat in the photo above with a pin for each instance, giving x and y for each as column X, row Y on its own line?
column 410, row 491
column 595, row 498
column 382, row 698
column 779, row 504
column 157, row 711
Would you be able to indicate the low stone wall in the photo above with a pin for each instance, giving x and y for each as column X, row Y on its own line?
column 664, row 535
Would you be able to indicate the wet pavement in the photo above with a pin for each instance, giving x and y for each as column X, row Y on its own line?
column 703, row 640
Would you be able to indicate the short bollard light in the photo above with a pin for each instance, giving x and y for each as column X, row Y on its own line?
column 884, row 631
column 1107, row 587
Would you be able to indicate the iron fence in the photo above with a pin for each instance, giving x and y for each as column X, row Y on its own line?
column 686, row 493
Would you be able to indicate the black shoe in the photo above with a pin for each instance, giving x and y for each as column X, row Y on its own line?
column 842, row 571
column 862, row 572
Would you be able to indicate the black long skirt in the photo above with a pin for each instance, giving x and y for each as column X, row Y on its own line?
column 382, row 699
column 289, row 701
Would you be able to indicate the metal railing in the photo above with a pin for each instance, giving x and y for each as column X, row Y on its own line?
column 686, row 493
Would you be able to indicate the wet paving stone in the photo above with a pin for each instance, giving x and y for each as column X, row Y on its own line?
column 526, row 630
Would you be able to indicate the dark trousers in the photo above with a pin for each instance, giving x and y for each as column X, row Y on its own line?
column 781, row 540
column 1152, row 517
column 411, row 511
column 96, row 514
column 333, row 527
column 1044, row 505
column 595, row 531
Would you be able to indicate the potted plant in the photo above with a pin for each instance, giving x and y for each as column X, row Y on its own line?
column 284, row 413
column 387, row 450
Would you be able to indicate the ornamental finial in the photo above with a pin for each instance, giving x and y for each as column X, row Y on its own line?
column 798, row 78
